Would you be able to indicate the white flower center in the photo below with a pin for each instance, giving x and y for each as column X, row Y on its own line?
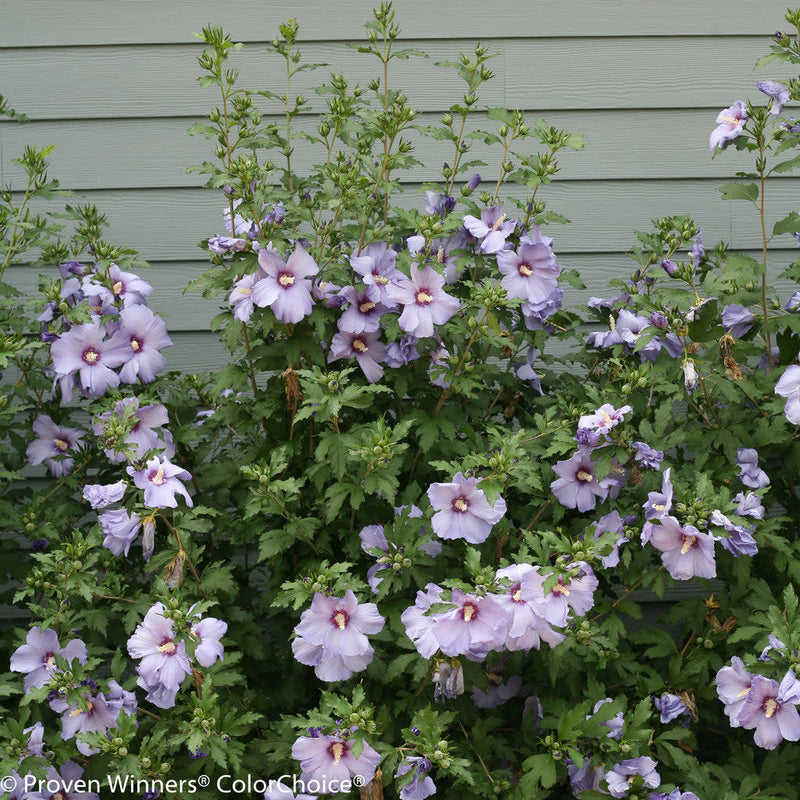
column 169, row 647
column 424, row 297
column 285, row 279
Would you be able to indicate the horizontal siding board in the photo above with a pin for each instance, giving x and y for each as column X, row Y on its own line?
column 186, row 312
column 155, row 153
column 88, row 22
column 556, row 74
column 166, row 225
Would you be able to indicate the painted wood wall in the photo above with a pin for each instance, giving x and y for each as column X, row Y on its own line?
column 112, row 85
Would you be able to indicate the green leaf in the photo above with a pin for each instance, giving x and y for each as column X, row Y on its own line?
column 790, row 224
column 739, row 191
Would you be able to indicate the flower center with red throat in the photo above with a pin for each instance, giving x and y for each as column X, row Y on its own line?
column 136, row 344
column 157, row 477
column 118, row 288
column 168, row 647
column 469, row 611
column 366, row 306
column 460, row 504
column 771, row 706
column 338, row 750
column 286, row 279
column 516, row 593
column 424, row 296
column 688, row 543
column 339, row 619
column 359, row 346
column 583, row 476
column 381, row 280
column 90, row 356
column 524, row 270
column 60, row 444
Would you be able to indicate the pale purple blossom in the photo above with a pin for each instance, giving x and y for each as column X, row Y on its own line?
column 771, row 709
column 83, row 351
column 475, row 626
column 611, row 523
column 737, row 320
column 424, row 302
column 530, row 273
column 120, row 528
column 105, row 289
column 331, row 758
column 730, row 122
column 366, row 348
column 332, row 636
column 100, row 495
column 95, row 717
column 604, row 419
column 615, row 724
column 145, row 335
column 671, row 707
column 398, row 354
column 779, row 93
column 164, row 662
column 499, row 692
column 376, row 266
column 620, row 777
column 529, row 619
column 68, row 779
column 492, row 229
column 363, row 313
column 37, row 657
column 647, row 456
column 420, row 626
column 789, row 387
column 686, row 552
column 749, row 505
column 733, row 686
column 285, row 287
column 52, row 445
column 161, row 481
column 750, row 473
column 208, row 632
column 143, row 436
column 241, row 296
column 577, row 485
column 739, row 541
column 463, row 510
column 421, row 785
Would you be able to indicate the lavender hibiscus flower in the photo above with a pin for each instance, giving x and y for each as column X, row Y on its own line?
column 106, row 289
column 779, row 93
column 69, row 780
column 100, row 496
column 146, row 335
column 528, row 623
column 424, row 302
column 164, row 663
column 161, row 481
column 332, row 636
column 376, row 266
column 421, row 785
column 36, row 658
column 750, row 473
column 685, row 551
column 771, row 709
column 52, row 445
column 475, row 626
column 492, row 229
column 530, row 273
column 84, row 351
column 730, row 123
column 285, row 287
column 671, row 707
column 420, row 626
column 462, row 510
column 363, row 314
column 366, row 348
column 331, row 758
column 577, row 485
column 733, row 686
column 620, row 777
column 92, row 716
column 789, row 387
